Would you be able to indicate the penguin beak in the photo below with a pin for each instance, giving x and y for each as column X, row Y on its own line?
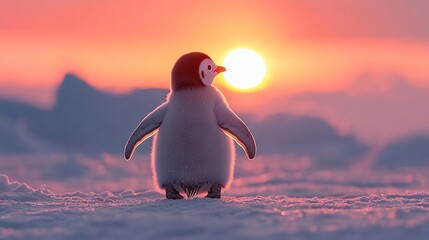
column 220, row 69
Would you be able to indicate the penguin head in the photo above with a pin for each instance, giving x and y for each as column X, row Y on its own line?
column 193, row 70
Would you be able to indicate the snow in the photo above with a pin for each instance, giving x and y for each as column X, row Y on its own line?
column 269, row 199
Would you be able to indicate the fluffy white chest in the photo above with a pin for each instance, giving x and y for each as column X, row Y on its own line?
column 190, row 147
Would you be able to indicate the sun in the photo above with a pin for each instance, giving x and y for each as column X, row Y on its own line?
column 245, row 69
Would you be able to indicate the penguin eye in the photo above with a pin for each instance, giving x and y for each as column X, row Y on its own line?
column 209, row 67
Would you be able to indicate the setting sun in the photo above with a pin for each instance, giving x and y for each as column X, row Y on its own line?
column 245, row 69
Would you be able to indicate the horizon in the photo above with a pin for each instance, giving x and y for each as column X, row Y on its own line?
column 382, row 88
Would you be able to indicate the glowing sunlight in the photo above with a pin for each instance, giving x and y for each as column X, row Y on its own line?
column 245, row 69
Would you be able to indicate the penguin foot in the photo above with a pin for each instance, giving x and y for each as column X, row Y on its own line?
column 172, row 193
column 215, row 191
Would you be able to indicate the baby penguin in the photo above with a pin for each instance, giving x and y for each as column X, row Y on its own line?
column 192, row 150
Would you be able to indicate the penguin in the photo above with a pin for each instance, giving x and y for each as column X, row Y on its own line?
column 193, row 150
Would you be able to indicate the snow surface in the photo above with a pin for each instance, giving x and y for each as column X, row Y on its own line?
column 268, row 200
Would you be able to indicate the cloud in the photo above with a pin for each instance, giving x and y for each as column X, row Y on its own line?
column 9, row 140
column 69, row 168
column 408, row 152
column 85, row 120
column 378, row 108
column 15, row 136
column 301, row 136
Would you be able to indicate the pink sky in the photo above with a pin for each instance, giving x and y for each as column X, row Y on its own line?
column 309, row 45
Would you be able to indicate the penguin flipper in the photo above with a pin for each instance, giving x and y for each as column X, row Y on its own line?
column 235, row 128
column 147, row 128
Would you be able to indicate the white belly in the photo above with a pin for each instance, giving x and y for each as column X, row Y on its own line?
column 190, row 148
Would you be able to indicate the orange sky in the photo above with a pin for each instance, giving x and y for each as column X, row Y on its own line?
column 308, row 45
